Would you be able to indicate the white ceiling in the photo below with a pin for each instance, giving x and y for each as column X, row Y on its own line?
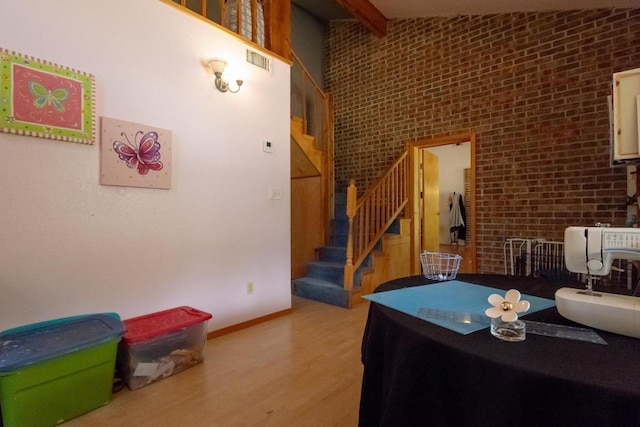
column 421, row 8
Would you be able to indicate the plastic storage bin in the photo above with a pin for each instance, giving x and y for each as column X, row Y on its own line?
column 53, row 371
column 161, row 344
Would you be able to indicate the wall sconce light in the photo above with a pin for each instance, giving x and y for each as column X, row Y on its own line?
column 217, row 67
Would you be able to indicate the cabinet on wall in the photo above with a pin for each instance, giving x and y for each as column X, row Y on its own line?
column 626, row 116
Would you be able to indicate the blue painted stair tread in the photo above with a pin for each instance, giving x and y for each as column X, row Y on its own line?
column 455, row 305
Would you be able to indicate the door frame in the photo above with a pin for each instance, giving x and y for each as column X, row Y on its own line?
column 414, row 193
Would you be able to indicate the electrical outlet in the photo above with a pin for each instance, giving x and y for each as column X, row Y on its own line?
column 250, row 288
column 275, row 193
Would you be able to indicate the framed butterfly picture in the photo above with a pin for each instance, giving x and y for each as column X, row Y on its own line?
column 134, row 155
column 38, row 98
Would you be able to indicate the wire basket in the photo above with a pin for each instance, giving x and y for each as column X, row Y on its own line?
column 440, row 266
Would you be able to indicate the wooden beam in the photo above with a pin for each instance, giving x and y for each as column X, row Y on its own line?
column 279, row 16
column 368, row 14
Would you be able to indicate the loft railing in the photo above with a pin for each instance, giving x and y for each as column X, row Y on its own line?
column 266, row 23
column 372, row 214
column 247, row 18
column 315, row 107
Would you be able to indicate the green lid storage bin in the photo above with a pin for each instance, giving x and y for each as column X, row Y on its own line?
column 161, row 344
column 53, row 371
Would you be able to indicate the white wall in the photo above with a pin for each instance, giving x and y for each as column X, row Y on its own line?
column 453, row 159
column 70, row 246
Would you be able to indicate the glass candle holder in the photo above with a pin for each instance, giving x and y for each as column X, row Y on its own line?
column 508, row 331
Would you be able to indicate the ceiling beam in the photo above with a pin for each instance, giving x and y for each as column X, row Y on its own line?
column 368, row 14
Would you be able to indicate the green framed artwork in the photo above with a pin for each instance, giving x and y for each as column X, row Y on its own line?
column 38, row 98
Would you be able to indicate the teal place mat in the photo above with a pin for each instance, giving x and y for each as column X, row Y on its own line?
column 458, row 306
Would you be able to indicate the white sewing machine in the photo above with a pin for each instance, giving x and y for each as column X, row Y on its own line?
column 591, row 251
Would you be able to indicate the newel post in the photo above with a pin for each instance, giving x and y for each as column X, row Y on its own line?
column 352, row 200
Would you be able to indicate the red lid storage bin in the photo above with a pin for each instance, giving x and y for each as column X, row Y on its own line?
column 161, row 344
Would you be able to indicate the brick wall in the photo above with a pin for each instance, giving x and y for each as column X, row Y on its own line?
column 533, row 86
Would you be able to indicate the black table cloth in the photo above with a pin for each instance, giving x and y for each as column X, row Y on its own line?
column 420, row 374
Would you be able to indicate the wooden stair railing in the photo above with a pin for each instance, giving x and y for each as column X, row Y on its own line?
column 371, row 215
column 311, row 103
column 315, row 107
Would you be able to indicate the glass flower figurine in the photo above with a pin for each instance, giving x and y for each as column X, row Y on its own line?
column 504, row 316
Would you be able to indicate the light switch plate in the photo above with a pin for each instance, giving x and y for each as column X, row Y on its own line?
column 275, row 193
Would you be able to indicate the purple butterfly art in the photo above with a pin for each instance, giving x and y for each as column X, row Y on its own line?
column 143, row 154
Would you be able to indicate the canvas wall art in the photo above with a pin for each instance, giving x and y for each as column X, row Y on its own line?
column 39, row 98
column 134, row 155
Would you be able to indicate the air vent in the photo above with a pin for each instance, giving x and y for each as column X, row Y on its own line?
column 258, row 60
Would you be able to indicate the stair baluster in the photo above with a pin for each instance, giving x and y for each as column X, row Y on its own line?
column 352, row 200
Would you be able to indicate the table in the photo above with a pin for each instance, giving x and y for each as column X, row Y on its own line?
column 420, row 374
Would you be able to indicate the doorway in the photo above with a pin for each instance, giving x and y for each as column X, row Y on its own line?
column 424, row 208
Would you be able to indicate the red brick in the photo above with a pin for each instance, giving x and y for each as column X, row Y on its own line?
column 533, row 86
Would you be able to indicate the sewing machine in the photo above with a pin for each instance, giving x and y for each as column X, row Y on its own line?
column 591, row 251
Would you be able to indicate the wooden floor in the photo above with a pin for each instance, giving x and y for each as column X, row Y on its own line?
column 302, row 369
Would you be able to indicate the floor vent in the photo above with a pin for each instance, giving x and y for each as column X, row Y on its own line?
column 257, row 59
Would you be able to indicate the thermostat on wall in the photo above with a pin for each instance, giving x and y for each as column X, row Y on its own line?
column 267, row 146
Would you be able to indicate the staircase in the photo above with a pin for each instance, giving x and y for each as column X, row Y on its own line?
column 325, row 276
column 368, row 243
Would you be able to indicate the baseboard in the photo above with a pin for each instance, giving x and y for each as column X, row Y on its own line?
column 247, row 324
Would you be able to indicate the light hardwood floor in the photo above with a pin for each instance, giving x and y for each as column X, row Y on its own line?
column 299, row 370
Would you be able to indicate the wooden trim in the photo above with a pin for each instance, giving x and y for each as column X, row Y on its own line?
column 413, row 209
column 279, row 26
column 413, row 193
column 266, row 9
column 248, row 324
column 254, row 20
column 368, row 14
column 239, row 16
